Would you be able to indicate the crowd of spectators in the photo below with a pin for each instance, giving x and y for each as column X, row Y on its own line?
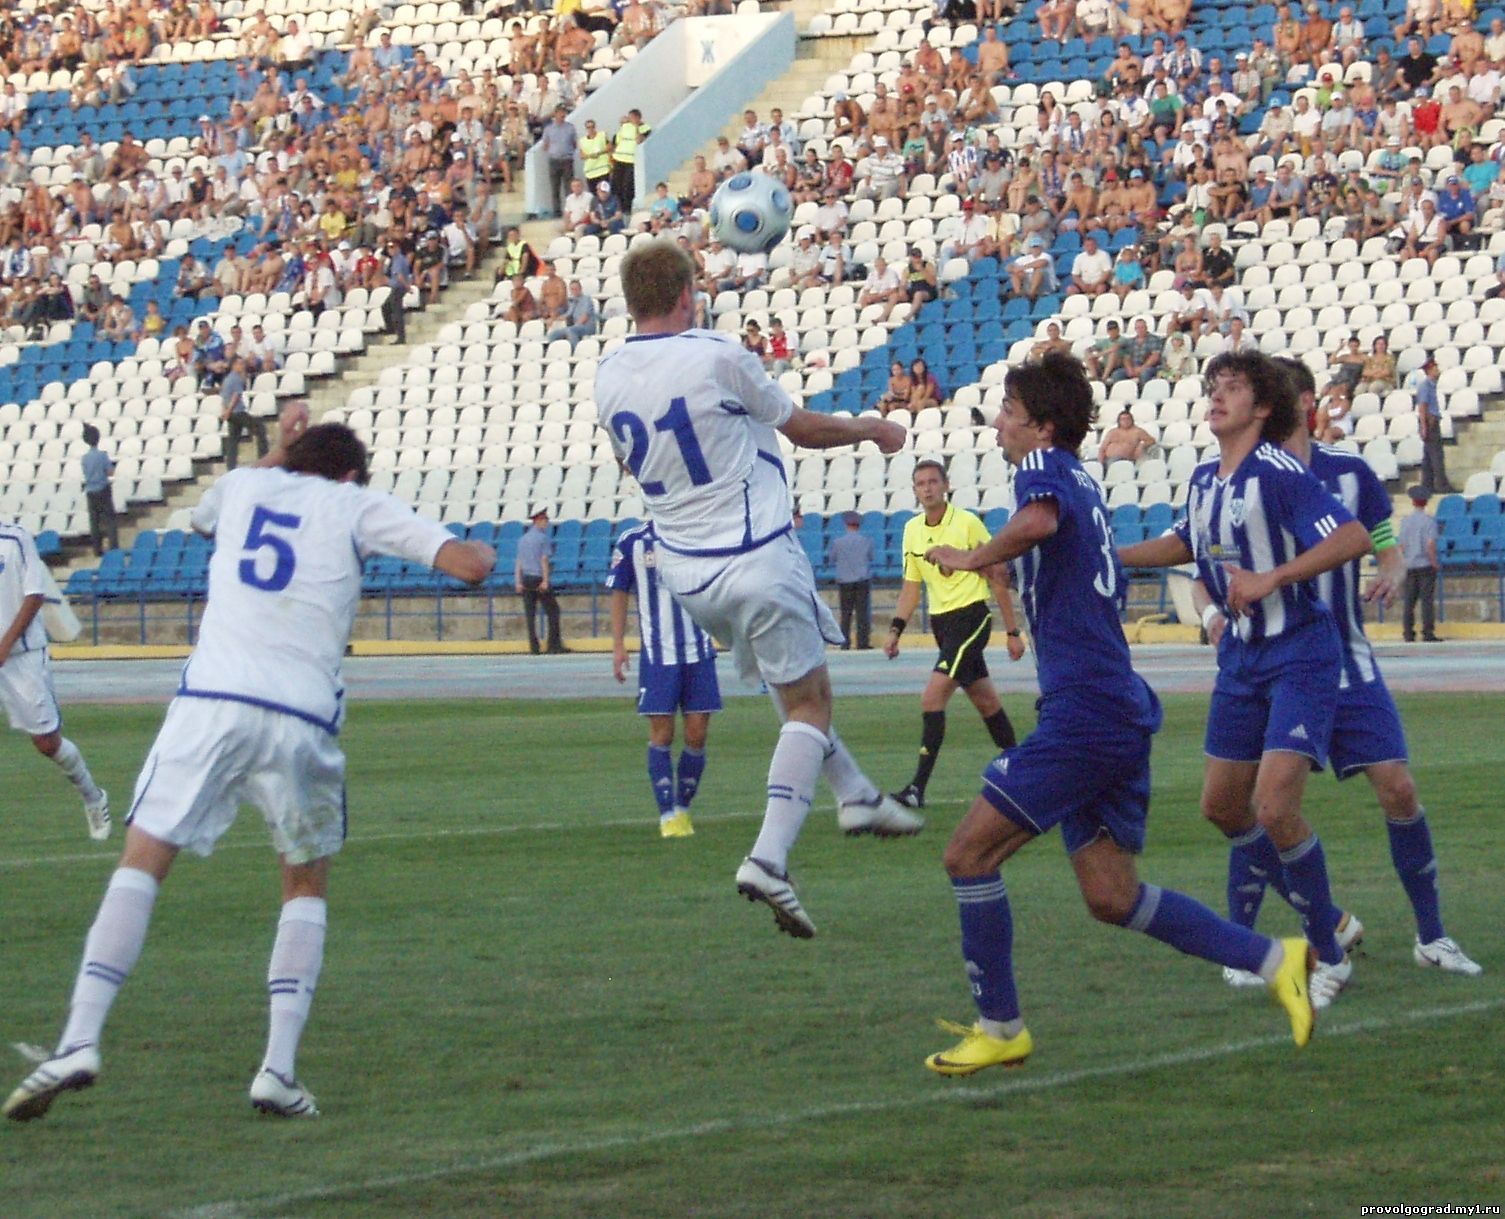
column 1168, row 147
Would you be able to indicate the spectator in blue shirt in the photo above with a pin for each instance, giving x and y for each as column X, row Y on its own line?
column 1456, row 206
column 387, row 56
column 97, row 467
column 579, row 319
column 244, row 85
column 1481, row 172
column 1434, row 475
column 236, row 417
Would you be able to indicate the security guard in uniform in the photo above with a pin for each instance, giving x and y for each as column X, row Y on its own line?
column 959, row 617
column 624, row 156
column 595, row 156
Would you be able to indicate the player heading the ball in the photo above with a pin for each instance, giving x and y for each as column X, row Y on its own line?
column 694, row 417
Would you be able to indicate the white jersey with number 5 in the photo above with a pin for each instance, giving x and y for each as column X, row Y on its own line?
column 285, row 583
column 692, row 415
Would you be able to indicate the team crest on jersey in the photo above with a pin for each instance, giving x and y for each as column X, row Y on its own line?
column 1238, row 512
column 649, row 558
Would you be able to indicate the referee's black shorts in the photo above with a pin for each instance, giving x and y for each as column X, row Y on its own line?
column 963, row 636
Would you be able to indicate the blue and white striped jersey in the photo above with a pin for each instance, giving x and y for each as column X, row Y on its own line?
column 669, row 635
column 1353, row 484
column 1265, row 513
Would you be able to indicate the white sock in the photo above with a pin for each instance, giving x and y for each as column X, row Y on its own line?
column 843, row 774
column 292, row 974
column 1274, row 959
column 792, row 773
column 71, row 762
column 110, row 953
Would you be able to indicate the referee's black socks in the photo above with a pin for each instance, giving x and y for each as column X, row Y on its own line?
column 932, row 733
column 1001, row 730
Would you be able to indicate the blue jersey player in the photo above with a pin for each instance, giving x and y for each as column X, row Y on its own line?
column 1367, row 732
column 1086, row 767
column 1261, row 529
column 676, row 675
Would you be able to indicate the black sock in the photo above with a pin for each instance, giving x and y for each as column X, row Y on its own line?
column 932, row 733
column 1002, row 731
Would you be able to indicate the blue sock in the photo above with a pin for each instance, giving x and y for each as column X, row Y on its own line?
column 1306, row 878
column 1253, row 865
column 1416, row 865
column 988, row 944
column 691, row 767
column 661, row 775
column 1252, row 861
column 1187, row 925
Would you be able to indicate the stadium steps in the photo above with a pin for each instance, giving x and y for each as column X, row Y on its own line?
column 325, row 396
column 815, row 59
column 1476, row 441
column 1473, row 448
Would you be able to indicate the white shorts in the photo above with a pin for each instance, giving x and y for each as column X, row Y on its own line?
column 763, row 604
column 26, row 692
column 212, row 755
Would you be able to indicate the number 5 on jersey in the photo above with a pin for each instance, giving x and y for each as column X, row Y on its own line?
column 262, row 537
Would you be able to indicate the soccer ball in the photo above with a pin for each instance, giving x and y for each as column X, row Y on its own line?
column 750, row 212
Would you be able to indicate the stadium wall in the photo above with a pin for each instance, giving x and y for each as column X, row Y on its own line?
column 687, row 82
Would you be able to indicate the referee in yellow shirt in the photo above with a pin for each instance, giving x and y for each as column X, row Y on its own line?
column 959, row 617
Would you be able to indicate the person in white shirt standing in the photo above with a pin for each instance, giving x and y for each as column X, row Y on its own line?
column 694, row 417
column 255, row 719
column 25, row 670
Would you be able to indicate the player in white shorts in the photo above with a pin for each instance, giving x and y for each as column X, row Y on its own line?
column 693, row 416
column 25, row 672
column 255, row 720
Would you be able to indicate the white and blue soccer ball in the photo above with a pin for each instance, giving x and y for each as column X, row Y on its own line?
column 750, row 213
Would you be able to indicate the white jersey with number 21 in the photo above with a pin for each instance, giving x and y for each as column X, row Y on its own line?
column 692, row 415
column 285, row 583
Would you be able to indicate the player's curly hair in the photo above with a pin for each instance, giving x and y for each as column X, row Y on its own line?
column 654, row 275
column 1054, row 389
column 1272, row 385
column 330, row 450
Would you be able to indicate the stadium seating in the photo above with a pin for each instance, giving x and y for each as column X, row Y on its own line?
column 490, row 418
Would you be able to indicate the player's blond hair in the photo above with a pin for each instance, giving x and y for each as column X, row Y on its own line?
column 654, row 276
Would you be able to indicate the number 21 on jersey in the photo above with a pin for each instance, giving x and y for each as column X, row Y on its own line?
column 632, row 432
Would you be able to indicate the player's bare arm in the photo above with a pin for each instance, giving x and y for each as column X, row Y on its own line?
column 619, row 635
column 468, row 561
column 1345, row 544
column 997, row 577
column 1166, row 551
column 909, row 601
column 30, row 608
column 292, row 422
column 1027, row 528
column 1214, row 621
column 1391, row 578
column 817, row 431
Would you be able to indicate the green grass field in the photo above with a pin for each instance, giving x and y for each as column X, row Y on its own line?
column 533, row 1006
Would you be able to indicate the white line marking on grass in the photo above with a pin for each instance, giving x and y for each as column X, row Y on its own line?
column 483, row 831
column 941, row 1094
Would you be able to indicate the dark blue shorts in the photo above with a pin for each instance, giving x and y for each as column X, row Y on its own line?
column 1279, row 696
column 667, row 689
column 1087, row 779
column 1367, row 729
